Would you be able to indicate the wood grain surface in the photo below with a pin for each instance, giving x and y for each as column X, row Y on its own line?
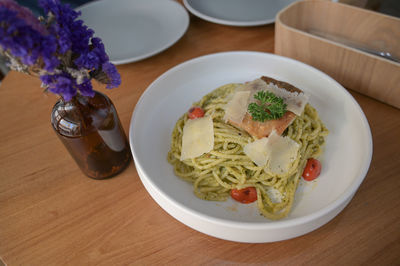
column 51, row 214
column 326, row 35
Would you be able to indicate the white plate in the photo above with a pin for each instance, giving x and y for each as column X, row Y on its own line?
column 237, row 12
column 345, row 161
column 133, row 30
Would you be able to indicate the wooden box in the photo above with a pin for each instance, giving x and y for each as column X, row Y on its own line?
column 334, row 38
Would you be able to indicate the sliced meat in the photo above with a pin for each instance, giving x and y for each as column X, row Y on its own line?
column 281, row 84
column 263, row 129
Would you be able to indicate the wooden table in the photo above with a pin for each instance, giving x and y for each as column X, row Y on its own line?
column 51, row 214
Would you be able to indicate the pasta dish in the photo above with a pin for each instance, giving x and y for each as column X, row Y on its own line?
column 225, row 150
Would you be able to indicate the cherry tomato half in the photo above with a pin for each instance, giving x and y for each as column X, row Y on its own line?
column 244, row 195
column 312, row 169
column 195, row 112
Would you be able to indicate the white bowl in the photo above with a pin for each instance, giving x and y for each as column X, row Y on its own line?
column 345, row 161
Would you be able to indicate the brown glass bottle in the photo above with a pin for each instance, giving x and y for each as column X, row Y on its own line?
column 90, row 129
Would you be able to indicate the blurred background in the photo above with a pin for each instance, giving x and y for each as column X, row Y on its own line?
column 388, row 7
column 32, row 4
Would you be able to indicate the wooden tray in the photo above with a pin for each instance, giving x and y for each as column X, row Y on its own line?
column 313, row 32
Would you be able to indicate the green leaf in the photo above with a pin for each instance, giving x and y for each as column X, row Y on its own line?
column 269, row 107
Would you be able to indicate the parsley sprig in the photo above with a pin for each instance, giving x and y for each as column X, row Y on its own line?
column 270, row 107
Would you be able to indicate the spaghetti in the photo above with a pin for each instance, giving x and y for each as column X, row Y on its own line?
column 227, row 167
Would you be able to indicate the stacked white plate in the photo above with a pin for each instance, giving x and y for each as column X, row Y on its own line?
column 133, row 30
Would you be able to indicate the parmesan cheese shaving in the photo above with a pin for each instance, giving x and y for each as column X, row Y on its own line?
column 237, row 106
column 282, row 152
column 274, row 195
column 198, row 137
column 257, row 151
column 295, row 101
column 275, row 153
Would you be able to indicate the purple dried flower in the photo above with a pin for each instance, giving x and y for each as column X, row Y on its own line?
column 66, row 85
column 88, row 60
column 24, row 14
column 114, row 79
column 98, row 48
column 26, row 40
column 61, row 50
column 60, row 84
column 80, row 37
column 86, row 88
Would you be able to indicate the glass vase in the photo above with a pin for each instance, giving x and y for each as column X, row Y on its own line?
column 90, row 129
